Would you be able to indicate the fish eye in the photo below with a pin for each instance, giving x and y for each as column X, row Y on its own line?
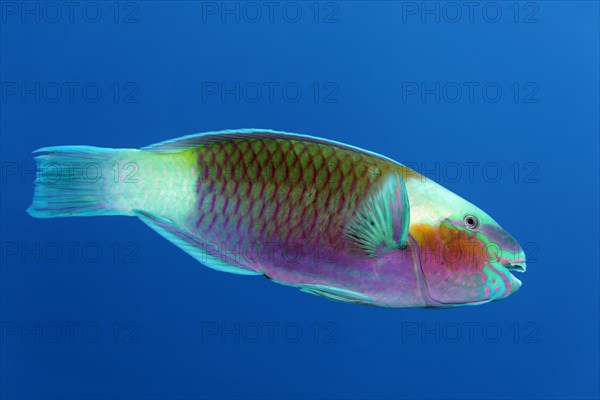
column 471, row 222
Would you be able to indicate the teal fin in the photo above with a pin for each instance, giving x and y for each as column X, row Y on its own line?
column 382, row 219
column 190, row 244
column 65, row 188
column 333, row 293
column 201, row 139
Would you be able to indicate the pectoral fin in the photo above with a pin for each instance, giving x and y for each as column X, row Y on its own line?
column 191, row 244
column 382, row 219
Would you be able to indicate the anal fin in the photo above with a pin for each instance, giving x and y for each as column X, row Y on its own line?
column 190, row 244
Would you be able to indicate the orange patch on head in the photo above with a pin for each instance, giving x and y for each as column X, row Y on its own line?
column 449, row 246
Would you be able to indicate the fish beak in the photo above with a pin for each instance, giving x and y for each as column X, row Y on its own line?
column 515, row 284
column 516, row 266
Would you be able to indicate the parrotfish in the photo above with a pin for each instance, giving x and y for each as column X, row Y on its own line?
column 325, row 217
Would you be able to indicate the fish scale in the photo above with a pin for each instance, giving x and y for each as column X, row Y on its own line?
column 294, row 191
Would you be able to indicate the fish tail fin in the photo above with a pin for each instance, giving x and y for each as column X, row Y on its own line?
column 71, row 182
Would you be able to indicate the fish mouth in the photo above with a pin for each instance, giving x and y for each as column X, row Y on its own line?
column 510, row 268
column 515, row 266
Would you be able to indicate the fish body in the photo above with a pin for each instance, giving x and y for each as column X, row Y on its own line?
column 323, row 216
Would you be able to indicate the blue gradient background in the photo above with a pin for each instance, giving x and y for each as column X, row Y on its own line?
column 167, row 298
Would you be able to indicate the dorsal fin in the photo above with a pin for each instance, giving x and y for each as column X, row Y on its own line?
column 382, row 219
column 199, row 139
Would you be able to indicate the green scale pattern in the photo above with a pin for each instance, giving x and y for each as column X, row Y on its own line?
column 286, row 191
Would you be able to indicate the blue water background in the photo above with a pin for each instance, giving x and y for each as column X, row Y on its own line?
column 148, row 321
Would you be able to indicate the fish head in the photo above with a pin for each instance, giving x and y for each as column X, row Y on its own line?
column 466, row 257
